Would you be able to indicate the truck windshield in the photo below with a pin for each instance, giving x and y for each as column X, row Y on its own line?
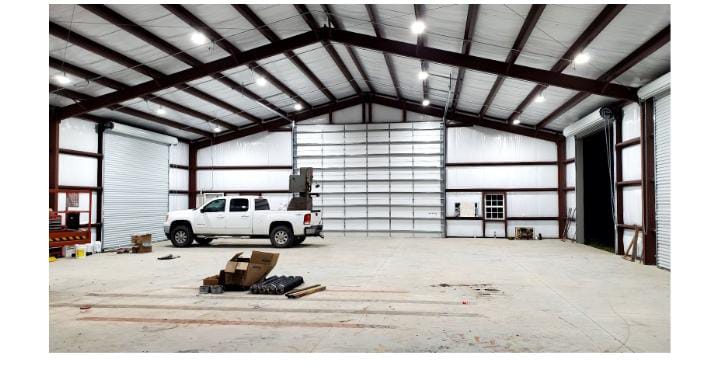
column 262, row 204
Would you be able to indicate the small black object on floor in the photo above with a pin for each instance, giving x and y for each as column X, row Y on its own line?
column 276, row 285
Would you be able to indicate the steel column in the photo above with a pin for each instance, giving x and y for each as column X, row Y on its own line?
column 54, row 134
column 562, row 185
column 619, row 197
column 100, row 129
column 647, row 136
column 192, row 176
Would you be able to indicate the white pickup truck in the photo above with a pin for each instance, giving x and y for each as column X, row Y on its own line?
column 233, row 216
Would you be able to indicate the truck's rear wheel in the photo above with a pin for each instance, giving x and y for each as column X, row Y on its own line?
column 181, row 236
column 299, row 240
column 282, row 237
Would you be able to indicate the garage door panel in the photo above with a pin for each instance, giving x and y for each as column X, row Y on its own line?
column 376, row 177
column 135, row 188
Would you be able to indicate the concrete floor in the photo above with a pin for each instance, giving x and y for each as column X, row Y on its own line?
column 384, row 295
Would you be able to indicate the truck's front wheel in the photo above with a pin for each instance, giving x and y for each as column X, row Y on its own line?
column 282, row 237
column 181, row 236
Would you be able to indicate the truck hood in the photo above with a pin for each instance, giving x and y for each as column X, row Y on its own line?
column 181, row 213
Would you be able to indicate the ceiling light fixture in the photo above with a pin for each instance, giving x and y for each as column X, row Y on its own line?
column 417, row 27
column 516, row 121
column 217, row 129
column 160, row 110
column 540, row 98
column 582, row 58
column 261, row 81
column 298, row 107
column 425, row 102
column 423, row 75
column 198, row 38
column 62, row 79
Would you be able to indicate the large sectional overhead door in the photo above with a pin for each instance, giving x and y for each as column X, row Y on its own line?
column 376, row 179
column 662, row 179
column 135, row 188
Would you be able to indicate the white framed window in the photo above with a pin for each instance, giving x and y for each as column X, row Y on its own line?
column 494, row 206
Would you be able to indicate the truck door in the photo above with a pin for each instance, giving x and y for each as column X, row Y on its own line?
column 239, row 219
column 211, row 218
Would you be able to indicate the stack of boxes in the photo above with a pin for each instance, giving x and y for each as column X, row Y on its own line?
column 141, row 243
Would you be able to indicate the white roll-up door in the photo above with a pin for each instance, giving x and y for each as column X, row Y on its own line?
column 376, row 179
column 135, row 188
column 662, row 179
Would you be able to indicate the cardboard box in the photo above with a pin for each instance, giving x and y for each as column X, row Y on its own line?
column 212, row 280
column 241, row 272
column 141, row 239
column 141, row 249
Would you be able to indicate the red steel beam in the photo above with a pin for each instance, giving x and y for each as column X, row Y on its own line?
column 265, row 30
column 598, row 87
column 591, row 32
column 646, row 49
column 99, row 120
column 196, row 23
column 162, row 45
column 334, row 21
column 190, row 74
column 308, row 18
column 470, row 119
column 370, row 8
column 110, row 83
column 526, row 30
column 470, row 22
column 275, row 123
column 77, row 96
column 96, row 48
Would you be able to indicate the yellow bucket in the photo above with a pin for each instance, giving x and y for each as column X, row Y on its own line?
column 80, row 252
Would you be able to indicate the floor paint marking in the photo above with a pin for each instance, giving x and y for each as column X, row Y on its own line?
column 271, row 298
column 278, row 310
column 233, row 322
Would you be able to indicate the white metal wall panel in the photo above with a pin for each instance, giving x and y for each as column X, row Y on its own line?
column 135, row 189
column 246, row 179
column 376, row 179
column 348, row 115
column 180, row 154
column 570, row 147
column 631, row 163
column 266, row 148
column 501, row 177
column 532, row 204
column 178, row 202
column 662, row 179
column 78, row 134
column 632, row 205
column 631, row 122
column 178, row 179
column 77, row 170
column 465, row 228
column 463, row 143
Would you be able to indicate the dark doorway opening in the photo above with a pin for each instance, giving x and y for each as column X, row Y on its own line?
column 599, row 225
